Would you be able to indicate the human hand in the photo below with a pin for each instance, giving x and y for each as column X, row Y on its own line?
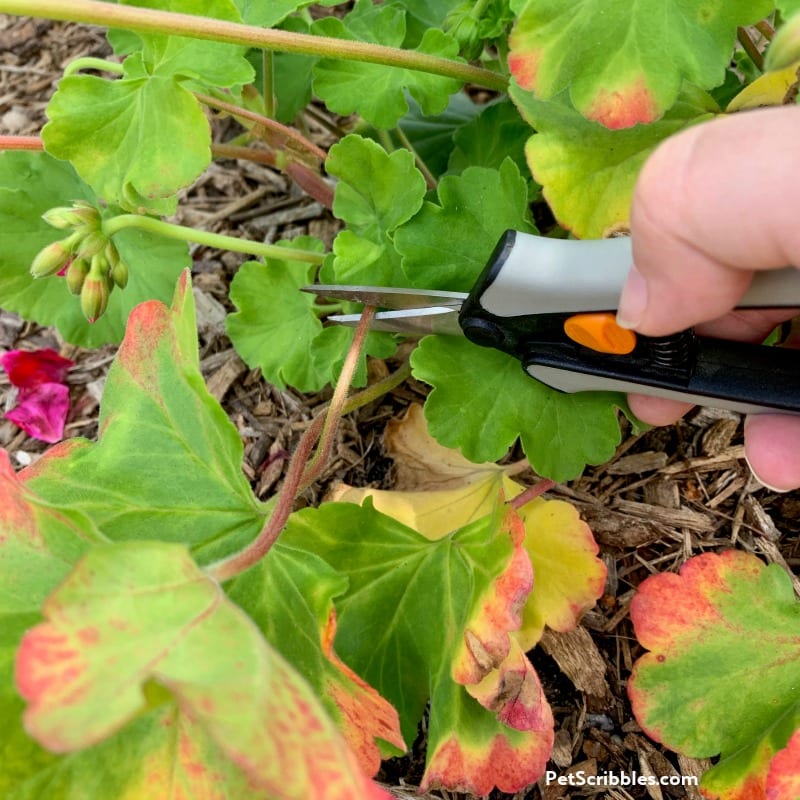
column 713, row 205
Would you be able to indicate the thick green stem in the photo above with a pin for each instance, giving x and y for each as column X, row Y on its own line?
column 216, row 240
column 145, row 20
column 88, row 62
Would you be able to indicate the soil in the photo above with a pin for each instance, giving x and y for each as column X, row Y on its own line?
column 668, row 493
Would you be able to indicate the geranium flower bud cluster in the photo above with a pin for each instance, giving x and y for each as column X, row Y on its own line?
column 86, row 258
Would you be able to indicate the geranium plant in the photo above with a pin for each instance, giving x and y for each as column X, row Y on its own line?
column 161, row 626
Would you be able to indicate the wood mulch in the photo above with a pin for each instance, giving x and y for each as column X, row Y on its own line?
column 668, row 494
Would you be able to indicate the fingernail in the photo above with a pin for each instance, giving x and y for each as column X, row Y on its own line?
column 763, row 482
column 633, row 300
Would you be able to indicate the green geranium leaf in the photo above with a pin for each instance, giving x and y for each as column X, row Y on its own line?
column 331, row 345
column 168, row 461
column 610, row 55
column 497, row 133
column 588, row 172
column 290, row 595
column 482, row 401
column 139, row 612
column 374, row 91
column 277, row 330
column 722, row 676
column 138, row 139
column 376, row 193
column 275, row 322
column 447, row 244
column 32, row 183
column 268, row 15
column 410, row 605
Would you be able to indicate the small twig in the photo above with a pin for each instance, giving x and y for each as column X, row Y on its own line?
column 750, row 48
column 531, row 493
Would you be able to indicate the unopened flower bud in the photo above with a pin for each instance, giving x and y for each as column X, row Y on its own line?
column 76, row 275
column 95, row 291
column 463, row 27
column 91, row 244
column 61, row 217
column 51, row 259
column 119, row 272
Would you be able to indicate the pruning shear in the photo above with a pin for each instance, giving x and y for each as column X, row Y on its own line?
column 550, row 303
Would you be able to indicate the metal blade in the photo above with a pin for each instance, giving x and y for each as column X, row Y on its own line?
column 389, row 297
column 411, row 322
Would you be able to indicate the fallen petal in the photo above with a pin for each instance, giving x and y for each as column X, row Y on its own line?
column 29, row 368
column 42, row 411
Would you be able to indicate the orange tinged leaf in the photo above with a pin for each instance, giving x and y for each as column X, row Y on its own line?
column 141, row 612
column 624, row 107
column 366, row 716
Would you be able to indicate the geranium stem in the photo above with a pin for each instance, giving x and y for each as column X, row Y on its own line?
column 216, row 240
column 146, row 20
column 531, row 493
column 300, row 469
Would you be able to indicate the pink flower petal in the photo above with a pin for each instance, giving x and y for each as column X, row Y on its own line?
column 42, row 411
column 29, row 368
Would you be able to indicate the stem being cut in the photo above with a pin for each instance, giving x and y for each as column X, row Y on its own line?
column 303, row 471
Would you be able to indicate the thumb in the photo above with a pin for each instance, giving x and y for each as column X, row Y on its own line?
column 712, row 205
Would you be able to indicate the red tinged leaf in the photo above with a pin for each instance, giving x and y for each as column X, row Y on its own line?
column 514, row 693
column 610, row 56
column 669, row 608
column 474, row 759
column 497, row 612
column 722, row 677
column 38, row 543
column 783, row 779
column 138, row 613
column 524, row 66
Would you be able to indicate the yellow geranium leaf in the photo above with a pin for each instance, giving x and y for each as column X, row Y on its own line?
column 770, row 89
column 568, row 576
